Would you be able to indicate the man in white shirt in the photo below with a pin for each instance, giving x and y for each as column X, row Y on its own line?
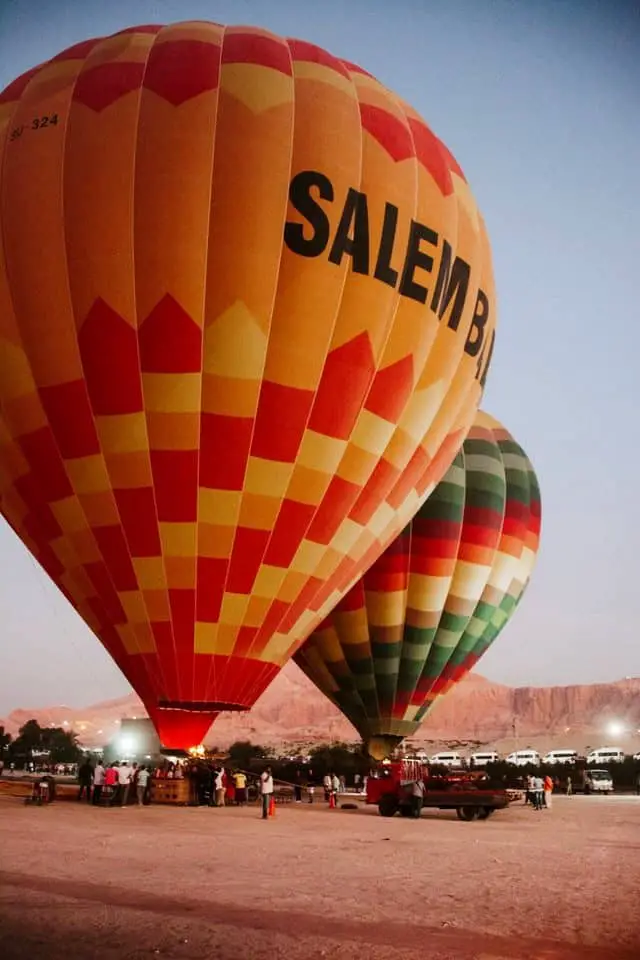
column 98, row 782
column 141, row 784
column 124, row 779
column 538, row 787
column 266, row 791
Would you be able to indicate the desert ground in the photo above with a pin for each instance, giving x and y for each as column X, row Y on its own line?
column 186, row 884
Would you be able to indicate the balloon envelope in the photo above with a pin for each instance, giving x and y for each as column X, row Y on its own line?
column 246, row 314
column 426, row 611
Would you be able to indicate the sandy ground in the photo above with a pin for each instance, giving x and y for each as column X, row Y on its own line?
column 105, row 884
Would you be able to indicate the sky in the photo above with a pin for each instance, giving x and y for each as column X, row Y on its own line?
column 540, row 103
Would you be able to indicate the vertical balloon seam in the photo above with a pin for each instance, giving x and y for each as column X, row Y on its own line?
column 224, row 668
column 198, row 585
column 438, row 648
column 455, row 412
column 354, row 575
column 468, row 639
column 338, row 311
column 453, row 471
column 54, row 439
column 156, row 677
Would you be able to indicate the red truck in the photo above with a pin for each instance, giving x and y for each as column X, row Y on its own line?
column 471, row 794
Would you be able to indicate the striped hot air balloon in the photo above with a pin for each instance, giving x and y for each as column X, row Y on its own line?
column 246, row 314
column 425, row 612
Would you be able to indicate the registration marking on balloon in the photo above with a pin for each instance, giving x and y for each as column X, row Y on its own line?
column 246, row 315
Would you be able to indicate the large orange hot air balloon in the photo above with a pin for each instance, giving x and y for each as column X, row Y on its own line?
column 430, row 606
column 246, row 313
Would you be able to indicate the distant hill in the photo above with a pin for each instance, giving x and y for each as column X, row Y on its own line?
column 292, row 710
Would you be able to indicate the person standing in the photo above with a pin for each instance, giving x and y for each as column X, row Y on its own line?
column 219, row 787
column 142, row 781
column 327, row 782
column 417, row 797
column 124, row 779
column 538, row 789
column 85, row 778
column 335, row 788
column 297, row 788
column 111, row 779
column 98, row 783
column 548, row 791
column 241, row 788
column 569, row 790
column 266, row 791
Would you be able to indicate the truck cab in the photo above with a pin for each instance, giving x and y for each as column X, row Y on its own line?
column 598, row 781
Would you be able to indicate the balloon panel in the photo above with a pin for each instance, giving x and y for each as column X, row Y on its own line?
column 246, row 315
column 429, row 607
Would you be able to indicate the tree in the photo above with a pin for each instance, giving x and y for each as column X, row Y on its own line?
column 242, row 752
column 62, row 745
column 5, row 741
column 59, row 744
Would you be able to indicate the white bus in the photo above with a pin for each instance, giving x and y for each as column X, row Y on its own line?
column 482, row 759
column 520, row 758
column 606, row 755
column 560, row 756
column 447, row 759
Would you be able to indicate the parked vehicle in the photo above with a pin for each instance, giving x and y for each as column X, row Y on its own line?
column 597, row 781
column 482, row 759
column 606, row 755
column 471, row 795
column 520, row 758
column 560, row 756
column 450, row 759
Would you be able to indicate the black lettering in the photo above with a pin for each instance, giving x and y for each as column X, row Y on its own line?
column 384, row 270
column 485, row 371
column 301, row 199
column 417, row 258
column 354, row 214
column 451, row 284
column 479, row 322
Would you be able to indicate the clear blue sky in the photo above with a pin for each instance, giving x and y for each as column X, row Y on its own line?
column 540, row 102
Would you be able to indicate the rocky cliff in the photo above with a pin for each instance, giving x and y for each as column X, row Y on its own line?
column 292, row 710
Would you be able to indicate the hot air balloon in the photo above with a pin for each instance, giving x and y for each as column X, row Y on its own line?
column 246, row 315
column 425, row 612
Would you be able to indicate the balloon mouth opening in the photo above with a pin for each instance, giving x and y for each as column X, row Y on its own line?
column 201, row 706
column 381, row 747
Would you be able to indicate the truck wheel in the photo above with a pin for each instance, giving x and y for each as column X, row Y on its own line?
column 405, row 810
column 388, row 805
column 467, row 813
column 485, row 813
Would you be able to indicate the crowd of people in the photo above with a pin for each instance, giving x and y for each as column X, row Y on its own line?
column 539, row 791
column 115, row 784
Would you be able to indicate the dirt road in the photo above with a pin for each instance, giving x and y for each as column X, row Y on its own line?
column 189, row 884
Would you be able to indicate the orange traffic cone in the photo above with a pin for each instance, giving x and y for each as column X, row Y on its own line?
column 332, row 800
column 272, row 807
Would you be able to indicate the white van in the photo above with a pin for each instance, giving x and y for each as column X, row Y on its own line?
column 520, row 758
column 606, row 755
column 447, row 759
column 482, row 759
column 598, row 781
column 560, row 756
